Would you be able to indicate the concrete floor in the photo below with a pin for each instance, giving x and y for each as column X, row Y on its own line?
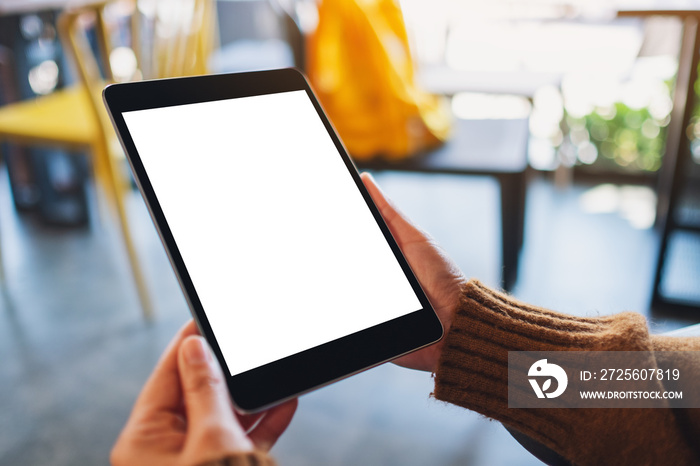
column 75, row 350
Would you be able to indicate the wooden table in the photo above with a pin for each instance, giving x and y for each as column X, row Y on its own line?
column 678, row 153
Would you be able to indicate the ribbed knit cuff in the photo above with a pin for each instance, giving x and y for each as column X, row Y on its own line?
column 473, row 368
column 253, row 458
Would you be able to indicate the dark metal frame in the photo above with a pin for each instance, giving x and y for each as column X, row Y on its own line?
column 672, row 180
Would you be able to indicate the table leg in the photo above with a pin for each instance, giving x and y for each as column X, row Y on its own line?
column 513, row 190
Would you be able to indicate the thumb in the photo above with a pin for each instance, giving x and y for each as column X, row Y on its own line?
column 401, row 227
column 210, row 418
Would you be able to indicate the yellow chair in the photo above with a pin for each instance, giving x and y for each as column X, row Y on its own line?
column 168, row 38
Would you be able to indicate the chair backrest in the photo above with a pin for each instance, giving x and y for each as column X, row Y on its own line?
column 167, row 38
column 183, row 33
column 124, row 40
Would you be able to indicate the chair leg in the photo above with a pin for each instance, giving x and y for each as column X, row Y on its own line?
column 101, row 176
column 116, row 191
column 513, row 187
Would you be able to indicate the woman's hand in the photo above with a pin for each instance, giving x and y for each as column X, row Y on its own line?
column 439, row 277
column 184, row 415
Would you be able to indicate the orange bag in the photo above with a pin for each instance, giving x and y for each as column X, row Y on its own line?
column 359, row 63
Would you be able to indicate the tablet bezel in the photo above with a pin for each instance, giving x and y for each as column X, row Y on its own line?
column 272, row 383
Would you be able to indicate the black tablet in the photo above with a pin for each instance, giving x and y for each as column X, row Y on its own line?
column 287, row 266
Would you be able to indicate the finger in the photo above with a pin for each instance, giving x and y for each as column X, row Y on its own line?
column 401, row 227
column 207, row 405
column 273, row 424
column 248, row 420
column 162, row 389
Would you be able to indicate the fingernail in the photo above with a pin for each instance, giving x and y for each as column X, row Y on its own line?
column 196, row 351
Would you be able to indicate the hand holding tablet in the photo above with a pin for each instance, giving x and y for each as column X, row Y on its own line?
column 440, row 277
column 288, row 268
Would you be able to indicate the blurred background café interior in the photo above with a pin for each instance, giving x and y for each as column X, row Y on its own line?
column 566, row 171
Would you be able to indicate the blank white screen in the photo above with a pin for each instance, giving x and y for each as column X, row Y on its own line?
column 277, row 239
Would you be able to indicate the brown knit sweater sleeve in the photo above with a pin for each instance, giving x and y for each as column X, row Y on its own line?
column 473, row 373
column 253, row 458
